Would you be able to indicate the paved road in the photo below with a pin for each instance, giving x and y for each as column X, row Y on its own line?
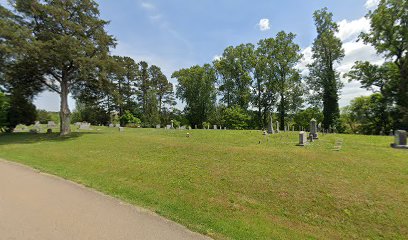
column 39, row 206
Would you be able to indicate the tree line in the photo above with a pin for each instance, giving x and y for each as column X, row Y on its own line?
column 62, row 46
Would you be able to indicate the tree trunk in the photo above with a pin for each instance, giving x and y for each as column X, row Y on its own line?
column 260, row 122
column 282, row 112
column 65, row 114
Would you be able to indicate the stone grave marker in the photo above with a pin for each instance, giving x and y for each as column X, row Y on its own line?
column 84, row 126
column 313, row 128
column 51, row 124
column 270, row 127
column 158, row 126
column 302, row 138
column 215, row 127
column 400, row 139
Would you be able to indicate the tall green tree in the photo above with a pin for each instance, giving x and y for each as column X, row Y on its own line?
column 162, row 87
column 389, row 35
column 124, row 77
column 69, row 42
column 196, row 87
column 151, row 116
column 323, row 80
column 264, row 95
column 286, row 55
column 235, row 69
column 143, row 85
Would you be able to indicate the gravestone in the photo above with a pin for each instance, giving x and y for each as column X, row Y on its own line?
column 117, row 125
column 313, row 128
column 111, row 125
column 270, row 127
column 311, row 137
column 400, row 139
column 215, row 127
column 37, row 123
column 37, row 128
column 391, row 132
column 158, row 126
column 121, row 129
column 168, row 127
column 51, row 124
column 172, row 126
column 49, row 131
column 189, row 128
column 225, row 128
column 84, row 126
column 302, row 138
column 195, row 127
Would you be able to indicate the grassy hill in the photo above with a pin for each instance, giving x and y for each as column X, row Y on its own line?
column 236, row 184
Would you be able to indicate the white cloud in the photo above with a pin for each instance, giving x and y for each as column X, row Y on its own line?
column 147, row 5
column 156, row 18
column 370, row 4
column 349, row 30
column 217, row 57
column 354, row 51
column 264, row 24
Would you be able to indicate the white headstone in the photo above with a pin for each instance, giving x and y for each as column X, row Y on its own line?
column 302, row 138
column 51, row 124
column 84, row 126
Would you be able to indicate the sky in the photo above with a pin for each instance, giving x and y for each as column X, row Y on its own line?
column 175, row 34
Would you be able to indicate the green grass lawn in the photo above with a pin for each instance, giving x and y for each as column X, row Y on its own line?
column 228, row 186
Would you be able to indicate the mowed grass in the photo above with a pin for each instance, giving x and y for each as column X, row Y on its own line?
column 229, row 186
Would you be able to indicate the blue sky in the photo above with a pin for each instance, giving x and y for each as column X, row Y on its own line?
column 176, row 34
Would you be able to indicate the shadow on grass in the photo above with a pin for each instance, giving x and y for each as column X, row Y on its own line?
column 29, row 138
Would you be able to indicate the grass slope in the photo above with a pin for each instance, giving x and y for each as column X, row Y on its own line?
column 228, row 186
